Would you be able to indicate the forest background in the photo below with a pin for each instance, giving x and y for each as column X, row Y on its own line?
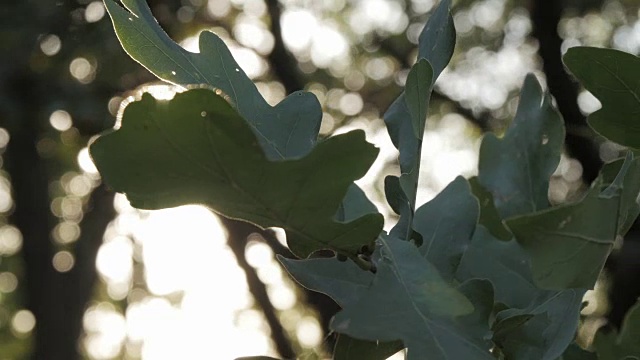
column 84, row 275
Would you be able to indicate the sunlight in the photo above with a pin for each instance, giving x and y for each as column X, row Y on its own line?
column 329, row 46
column 252, row 32
column 298, row 27
column 192, row 227
column 382, row 15
column 6, row 202
column 114, row 260
column 197, row 289
column 85, row 162
column 106, row 331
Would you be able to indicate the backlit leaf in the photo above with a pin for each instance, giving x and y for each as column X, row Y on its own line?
column 489, row 217
column 516, row 168
column 446, row 224
column 417, row 92
column 197, row 149
column 409, row 301
column 536, row 323
column 343, row 281
column 405, row 118
column 613, row 77
column 288, row 130
column 569, row 244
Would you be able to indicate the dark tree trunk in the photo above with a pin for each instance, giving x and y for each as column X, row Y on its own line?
column 56, row 299
column 546, row 16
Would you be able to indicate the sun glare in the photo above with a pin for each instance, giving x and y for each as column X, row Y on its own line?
column 196, row 290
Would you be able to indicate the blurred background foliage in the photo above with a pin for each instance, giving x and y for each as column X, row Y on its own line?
column 83, row 275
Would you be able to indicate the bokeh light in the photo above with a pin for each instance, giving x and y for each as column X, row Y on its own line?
column 169, row 284
column 23, row 322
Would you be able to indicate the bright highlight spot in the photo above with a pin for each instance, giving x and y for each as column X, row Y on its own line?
column 8, row 282
column 66, row 232
column 81, row 69
column 4, row 138
column 258, row 254
column 94, row 12
column 114, row 260
column 50, row 45
column 308, row 332
column 329, row 45
column 23, row 321
column 85, row 162
column 298, row 27
column 63, row 261
column 6, row 202
column 60, row 120
column 10, row 240
column 106, row 331
column 351, row 104
column 185, row 255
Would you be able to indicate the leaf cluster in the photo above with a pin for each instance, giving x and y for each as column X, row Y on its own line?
column 487, row 269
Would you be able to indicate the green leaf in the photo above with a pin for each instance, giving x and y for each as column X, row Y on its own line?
column 629, row 206
column 446, row 224
column 197, row 149
column 613, row 346
column 405, row 118
column 569, row 244
column 489, row 217
column 550, row 326
column 435, row 44
column 613, row 77
column 505, row 263
column 518, row 337
column 516, row 169
column 535, row 321
column 409, row 301
column 288, row 130
column 401, row 204
column 438, row 38
column 348, row 348
column 400, row 127
column 354, row 205
column 343, row 281
column 417, row 92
